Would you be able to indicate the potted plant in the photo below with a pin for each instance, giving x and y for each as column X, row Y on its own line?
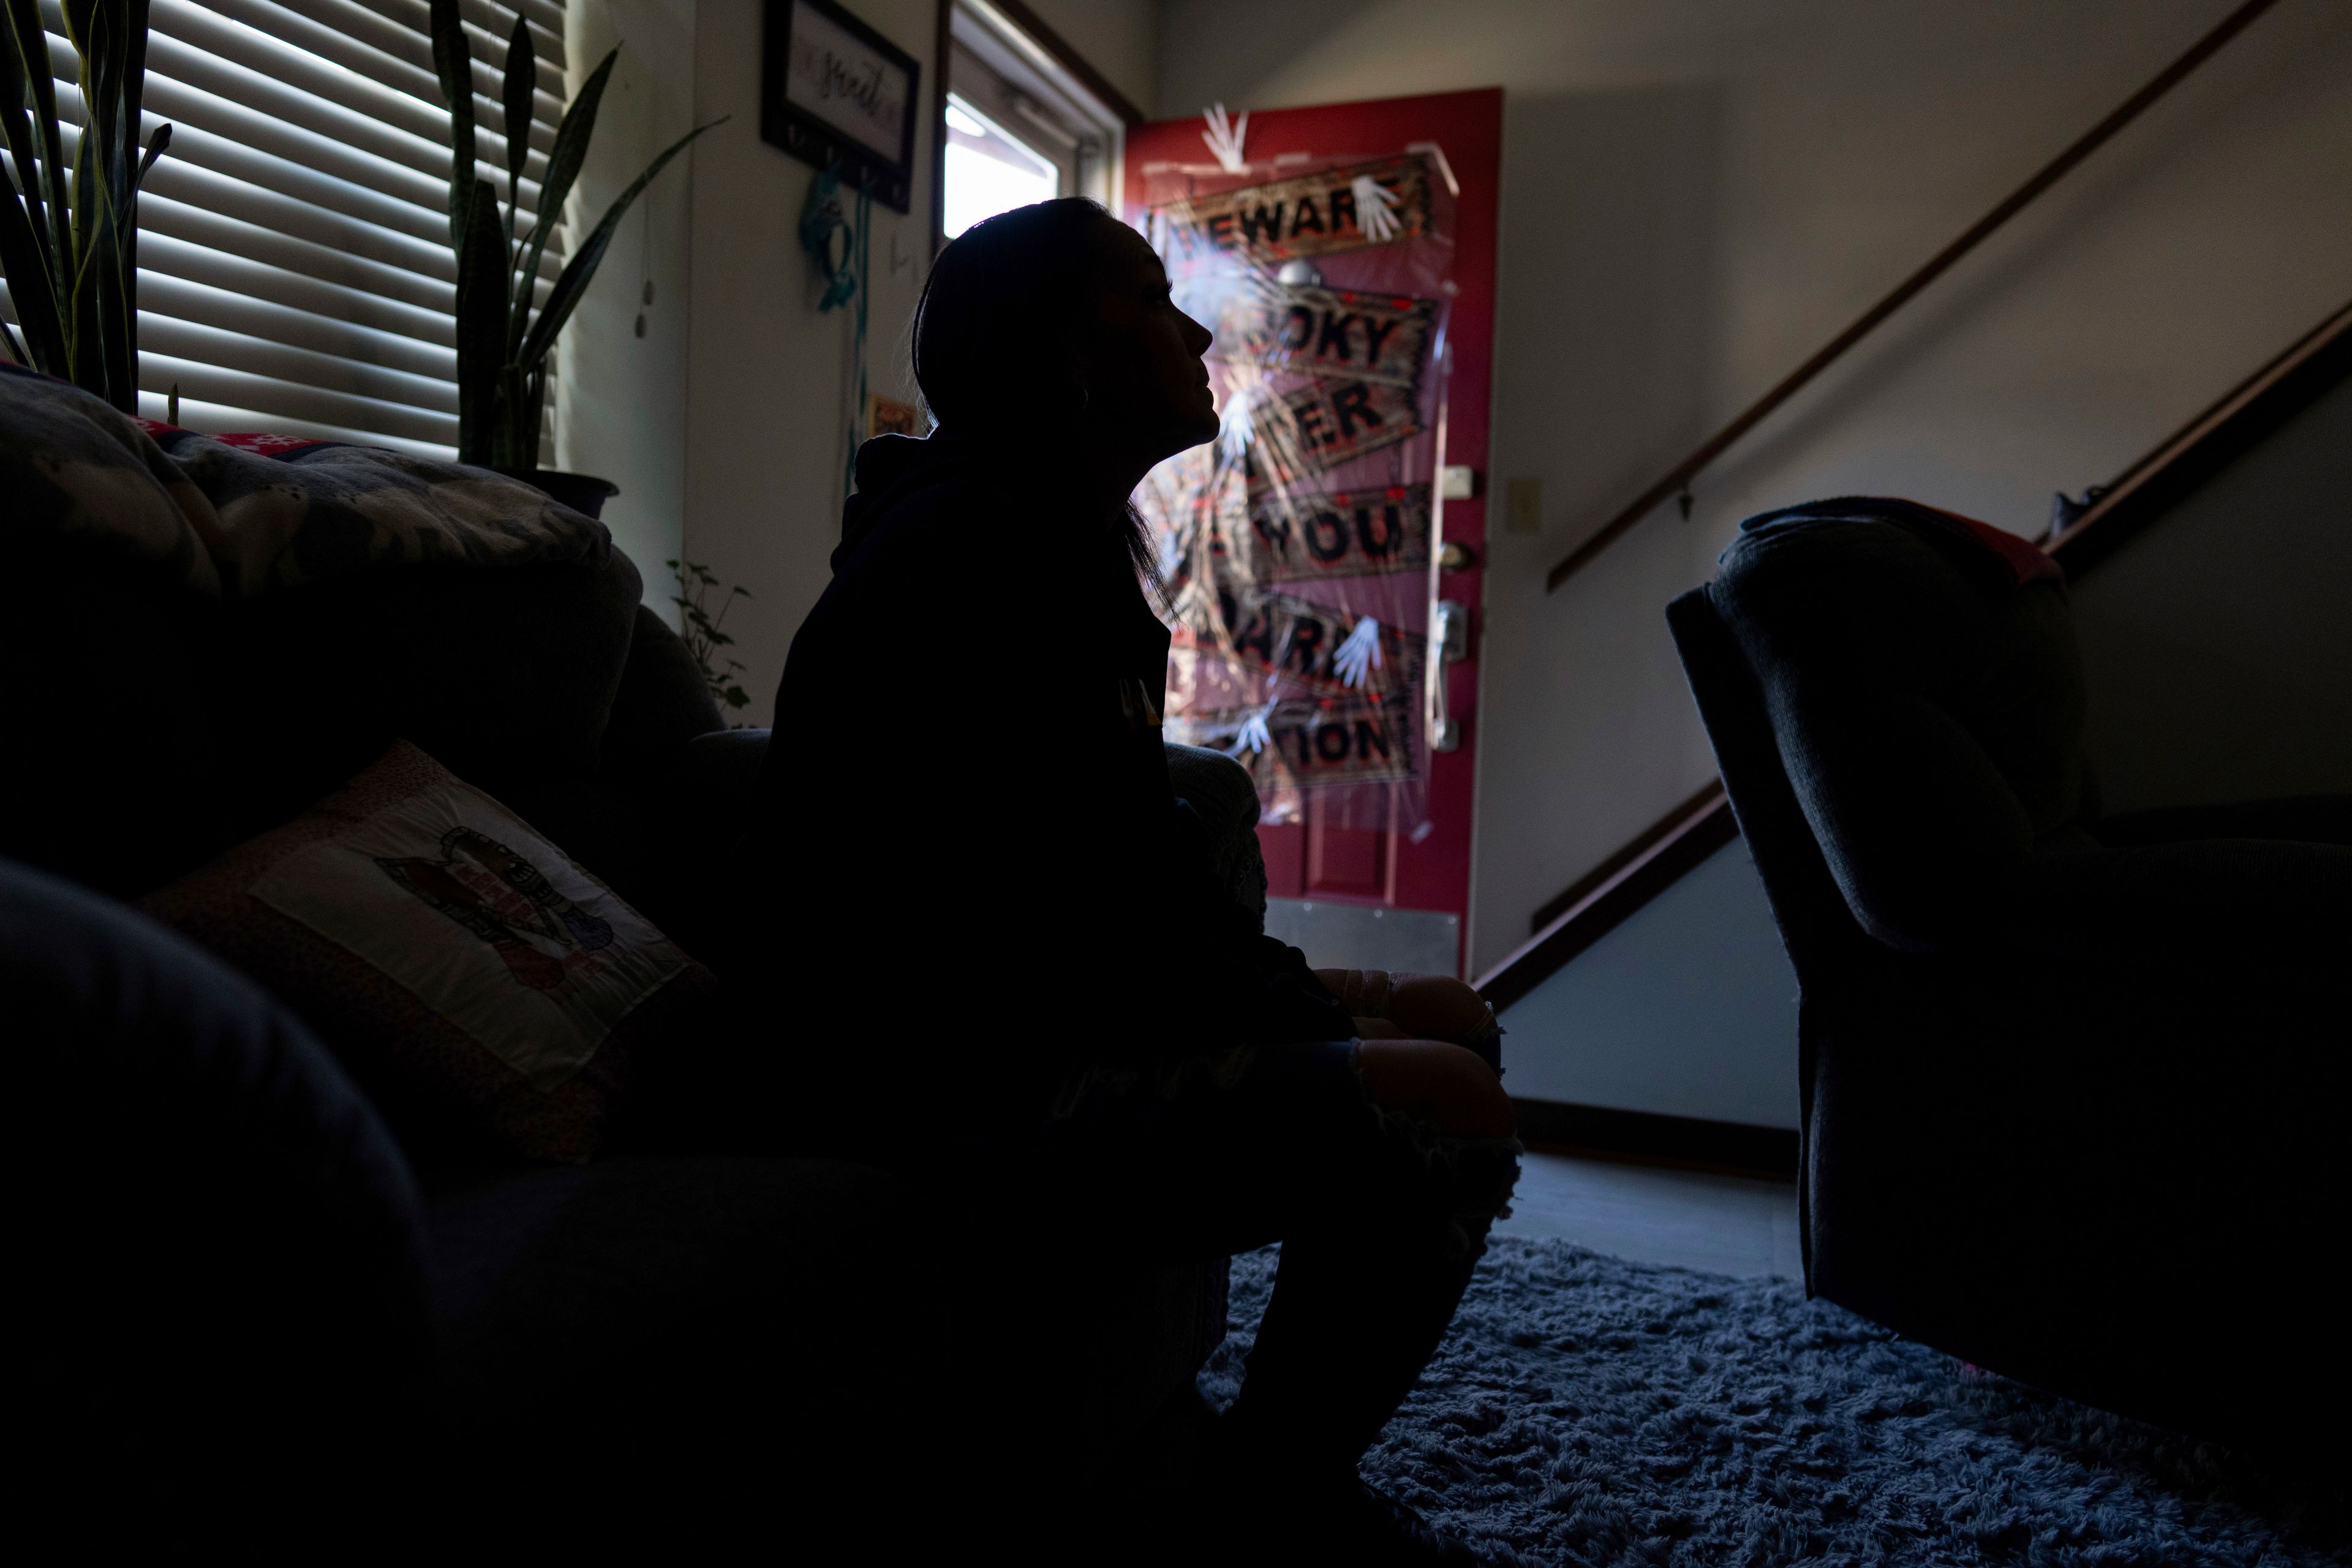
column 69, row 230
column 502, row 342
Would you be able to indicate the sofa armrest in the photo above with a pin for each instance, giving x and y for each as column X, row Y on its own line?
column 217, row 1241
column 696, row 809
column 713, row 779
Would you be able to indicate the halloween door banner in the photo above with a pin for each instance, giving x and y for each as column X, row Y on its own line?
column 1299, row 549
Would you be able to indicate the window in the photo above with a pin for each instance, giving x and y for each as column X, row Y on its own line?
column 294, row 266
column 990, row 170
column 1021, row 126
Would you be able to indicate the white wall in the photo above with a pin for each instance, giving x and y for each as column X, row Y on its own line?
column 620, row 404
column 727, row 425
column 767, row 414
column 2217, row 660
column 1689, row 1008
column 2217, row 646
column 1119, row 39
column 767, row 409
column 1697, row 194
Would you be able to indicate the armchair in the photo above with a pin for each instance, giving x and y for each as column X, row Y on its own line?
column 2073, row 1087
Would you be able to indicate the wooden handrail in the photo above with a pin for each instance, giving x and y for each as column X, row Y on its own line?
column 1678, row 478
column 1677, row 843
column 1606, row 898
column 2185, row 457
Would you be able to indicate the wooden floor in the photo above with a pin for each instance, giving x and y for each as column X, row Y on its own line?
column 1693, row 1219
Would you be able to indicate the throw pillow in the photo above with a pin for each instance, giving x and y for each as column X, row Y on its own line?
column 469, row 975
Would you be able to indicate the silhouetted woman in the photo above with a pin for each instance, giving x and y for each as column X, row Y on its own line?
column 1038, row 973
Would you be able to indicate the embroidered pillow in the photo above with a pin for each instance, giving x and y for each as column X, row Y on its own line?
column 469, row 975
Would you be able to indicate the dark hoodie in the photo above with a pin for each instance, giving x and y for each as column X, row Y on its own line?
column 980, row 875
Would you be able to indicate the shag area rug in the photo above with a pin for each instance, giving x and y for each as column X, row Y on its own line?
column 1585, row 1410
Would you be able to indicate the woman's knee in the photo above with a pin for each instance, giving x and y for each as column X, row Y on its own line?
column 1391, row 1006
column 1438, row 1007
column 1444, row 1083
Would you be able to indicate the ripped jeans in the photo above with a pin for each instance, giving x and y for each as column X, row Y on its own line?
column 1381, row 1217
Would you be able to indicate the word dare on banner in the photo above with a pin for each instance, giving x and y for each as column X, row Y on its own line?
column 1305, row 215
column 1348, row 533
column 1299, row 641
column 1341, row 332
column 1309, row 742
column 1323, row 423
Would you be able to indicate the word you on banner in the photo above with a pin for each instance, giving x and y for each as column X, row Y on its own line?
column 1307, row 743
column 1347, row 533
column 1378, row 203
column 1323, row 423
column 1326, row 331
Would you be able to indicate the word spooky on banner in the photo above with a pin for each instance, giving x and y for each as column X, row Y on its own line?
column 1345, row 208
column 1347, row 533
column 1339, row 332
column 1309, row 741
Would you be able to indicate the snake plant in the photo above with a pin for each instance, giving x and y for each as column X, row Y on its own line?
column 69, row 224
column 502, row 342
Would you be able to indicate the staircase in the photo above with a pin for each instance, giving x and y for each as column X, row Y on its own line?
column 2085, row 534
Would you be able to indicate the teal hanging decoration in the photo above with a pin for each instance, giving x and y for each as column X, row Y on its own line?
column 842, row 250
column 826, row 236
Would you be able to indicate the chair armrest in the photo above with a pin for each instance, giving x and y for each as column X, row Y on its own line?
column 2307, row 819
column 2229, row 906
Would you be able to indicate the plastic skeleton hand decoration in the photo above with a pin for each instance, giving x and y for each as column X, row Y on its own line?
column 1254, row 736
column 1225, row 138
column 1234, row 432
column 1373, row 201
column 1360, row 654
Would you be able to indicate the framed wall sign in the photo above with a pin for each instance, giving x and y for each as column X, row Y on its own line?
column 832, row 89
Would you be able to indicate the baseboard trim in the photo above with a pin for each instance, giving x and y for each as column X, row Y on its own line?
column 1556, row 1127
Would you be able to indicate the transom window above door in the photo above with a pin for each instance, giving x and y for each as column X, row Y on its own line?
column 1023, row 119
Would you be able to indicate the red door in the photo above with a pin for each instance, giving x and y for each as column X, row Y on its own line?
column 1322, row 306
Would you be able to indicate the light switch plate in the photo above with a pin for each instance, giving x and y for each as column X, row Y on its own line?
column 1459, row 481
column 1523, row 506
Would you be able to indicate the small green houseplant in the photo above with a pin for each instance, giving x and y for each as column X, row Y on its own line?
column 69, row 228
column 705, row 633
column 502, row 342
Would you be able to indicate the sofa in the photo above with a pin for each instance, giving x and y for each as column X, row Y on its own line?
column 2072, row 1083
column 266, row 1310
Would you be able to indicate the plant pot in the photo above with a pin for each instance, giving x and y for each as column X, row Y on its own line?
column 584, row 493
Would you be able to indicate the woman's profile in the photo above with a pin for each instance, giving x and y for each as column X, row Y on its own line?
column 1037, row 962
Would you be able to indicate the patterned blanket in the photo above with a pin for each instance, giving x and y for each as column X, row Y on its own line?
column 233, row 517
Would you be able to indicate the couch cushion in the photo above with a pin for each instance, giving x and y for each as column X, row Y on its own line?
column 112, row 771
column 1928, row 707
column 216, row 1251
column 211, row 636
column 661, row 701
column 507, row 675
column 475, row 979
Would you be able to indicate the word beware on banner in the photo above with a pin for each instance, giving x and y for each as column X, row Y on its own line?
column 1305, row 215
column 1357, row 534
column 1339, row 332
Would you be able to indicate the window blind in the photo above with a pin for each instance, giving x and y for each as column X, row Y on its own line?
column 294, row 272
